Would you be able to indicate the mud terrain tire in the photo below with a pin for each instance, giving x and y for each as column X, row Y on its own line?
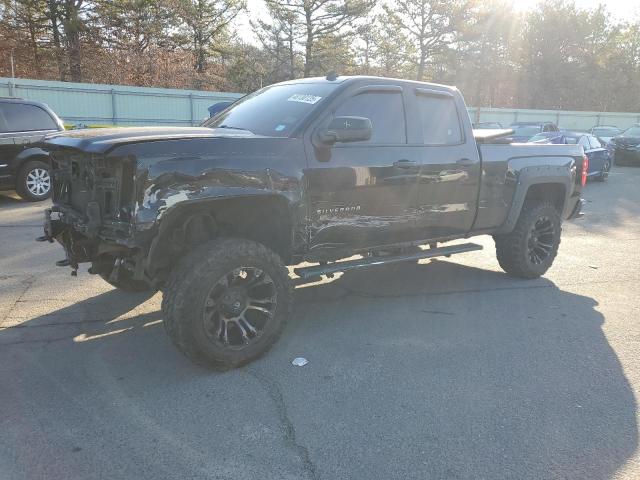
column 208, row 304
column 529, row 250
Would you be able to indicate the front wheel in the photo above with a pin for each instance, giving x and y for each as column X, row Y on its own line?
column 225, row 303
column 33, row 182
column 529, row 250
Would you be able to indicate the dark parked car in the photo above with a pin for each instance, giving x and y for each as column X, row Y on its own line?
column 523, row 131
column 599, row 157
column 23, row 166
column 605, row 133
column 313, row 170
column 626, row 147
column 487, row 126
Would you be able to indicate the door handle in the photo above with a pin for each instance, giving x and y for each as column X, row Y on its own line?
column 465, row 162
column 404, row 163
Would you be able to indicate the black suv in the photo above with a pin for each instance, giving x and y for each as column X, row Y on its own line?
column 23, row 166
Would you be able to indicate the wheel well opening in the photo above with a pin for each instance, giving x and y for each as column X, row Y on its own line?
column 551, row 192
column 263, row 220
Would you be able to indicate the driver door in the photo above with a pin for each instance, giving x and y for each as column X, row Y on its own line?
column 363, row 194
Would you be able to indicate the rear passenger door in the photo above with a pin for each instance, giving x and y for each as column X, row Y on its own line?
column 364, row 193
column 8, row 149
column 448, row 183
column 24, row 124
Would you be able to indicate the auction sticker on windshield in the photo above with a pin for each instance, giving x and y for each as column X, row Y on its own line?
column 304, row 98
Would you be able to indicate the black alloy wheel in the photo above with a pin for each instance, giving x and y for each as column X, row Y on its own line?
column 239, row 306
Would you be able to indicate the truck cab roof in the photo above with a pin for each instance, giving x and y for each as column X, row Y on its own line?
column 348, row 79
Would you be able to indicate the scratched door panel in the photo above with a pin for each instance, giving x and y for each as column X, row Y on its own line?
column 449, row 177
column 360, row 198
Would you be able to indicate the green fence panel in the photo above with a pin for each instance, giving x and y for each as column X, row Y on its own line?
column 117, row 104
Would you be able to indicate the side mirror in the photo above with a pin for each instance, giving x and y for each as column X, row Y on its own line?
column 347, row 129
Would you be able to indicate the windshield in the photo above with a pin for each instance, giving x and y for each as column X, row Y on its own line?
column 525, row 130
column 632, row 132
column 274, row 111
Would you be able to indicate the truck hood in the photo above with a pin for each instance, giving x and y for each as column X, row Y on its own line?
column 101, row 140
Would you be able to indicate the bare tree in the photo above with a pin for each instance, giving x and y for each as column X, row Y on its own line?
column 432, row 25
column 320, row 19
column 69, row 14
column 206, row 21
column 278, row 38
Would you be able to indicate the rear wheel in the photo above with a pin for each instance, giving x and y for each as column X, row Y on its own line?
column 529, row 250
column 225, row 304
column 33, row 182
column 604, row 174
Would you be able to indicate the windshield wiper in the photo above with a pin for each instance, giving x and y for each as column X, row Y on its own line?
column 233, row 128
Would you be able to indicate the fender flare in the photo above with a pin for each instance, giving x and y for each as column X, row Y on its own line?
column 176, row 215
column 530, row 176
column 28, row 154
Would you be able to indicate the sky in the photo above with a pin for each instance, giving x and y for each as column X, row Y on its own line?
column 619, row 9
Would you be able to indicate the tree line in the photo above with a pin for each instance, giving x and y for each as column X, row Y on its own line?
column 555, row 56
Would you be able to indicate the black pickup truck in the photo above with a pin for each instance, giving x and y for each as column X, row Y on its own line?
column 312, row 170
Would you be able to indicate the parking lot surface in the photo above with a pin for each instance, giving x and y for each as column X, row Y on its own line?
column 446, row 369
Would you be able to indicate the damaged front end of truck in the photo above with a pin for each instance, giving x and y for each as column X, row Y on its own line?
column 93, row 212
column 131, row 203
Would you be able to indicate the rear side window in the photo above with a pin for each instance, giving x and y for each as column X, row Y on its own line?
column 440, row 122
column 20, row 117
column 384, row 109
column 584, row 141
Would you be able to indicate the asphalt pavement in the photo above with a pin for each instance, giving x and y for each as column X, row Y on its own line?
column 446, row 369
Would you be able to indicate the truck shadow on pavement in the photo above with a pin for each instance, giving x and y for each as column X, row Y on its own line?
column 462, row 373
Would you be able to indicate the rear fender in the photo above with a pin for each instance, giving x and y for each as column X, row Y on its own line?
column 560, row 172
column 28, row 154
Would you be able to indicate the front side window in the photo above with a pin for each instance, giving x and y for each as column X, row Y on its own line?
column 274, row 111
column 384, row 109
column 21, row 117
column 440, row 122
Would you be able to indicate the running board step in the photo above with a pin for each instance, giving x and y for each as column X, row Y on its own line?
column 317, row 270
